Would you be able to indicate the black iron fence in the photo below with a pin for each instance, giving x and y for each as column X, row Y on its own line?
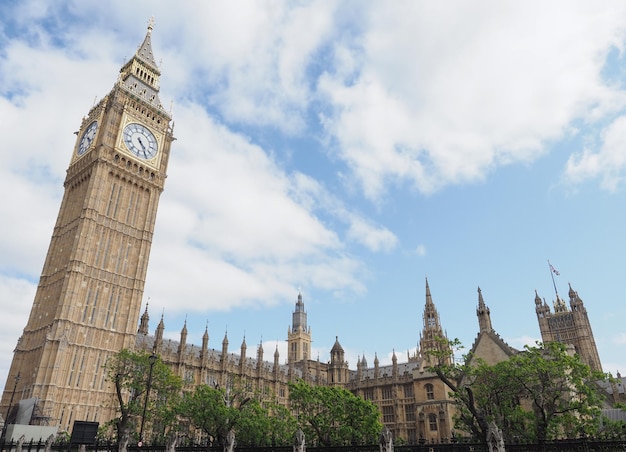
column 576, row 445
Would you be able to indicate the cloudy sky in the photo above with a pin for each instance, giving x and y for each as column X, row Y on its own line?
column 344, row 150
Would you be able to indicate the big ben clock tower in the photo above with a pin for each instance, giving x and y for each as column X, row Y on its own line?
column 88, row 300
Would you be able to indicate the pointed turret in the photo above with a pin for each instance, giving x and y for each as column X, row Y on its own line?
column 575, row 302
column 144, row 53
column 140, row 75
column 432, row 337
column 205, row 338
column 183, row 338
column 204, row 352
column 376, row 365
column 483, row 313
column 276, row 359
column 224, row 357
column 143, row 325
column 299, row 336
column 394, row 364
column 299, row 316
column 337, row 352
column 259, row 356
column 338, row 369
column 158, row 336
column 242, row 356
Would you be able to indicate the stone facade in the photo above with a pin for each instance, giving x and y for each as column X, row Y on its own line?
column 569, row 326
column 413, row 402
column 88, row 300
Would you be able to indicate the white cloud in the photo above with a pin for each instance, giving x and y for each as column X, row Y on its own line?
column 607, row 163
column 476, row 86
column 374, row 238
column 17, row 296
column 234, row 225
column 420, row 250
column 418, row 94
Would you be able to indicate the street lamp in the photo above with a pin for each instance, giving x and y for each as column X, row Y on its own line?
column 151, row 359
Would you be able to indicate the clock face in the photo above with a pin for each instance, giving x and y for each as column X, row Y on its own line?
column 140, row 141
column 88, row 137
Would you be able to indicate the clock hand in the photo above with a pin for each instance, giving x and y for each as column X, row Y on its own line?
column 143, row 147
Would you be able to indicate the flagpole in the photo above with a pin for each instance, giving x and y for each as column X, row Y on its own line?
column 552, row 271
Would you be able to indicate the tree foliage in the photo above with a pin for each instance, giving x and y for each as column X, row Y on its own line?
column 470, row 417
column 208, row 409
column 331, row 416
column 263, row 424
column 130, row 372
column 544, row 392
column 538, row 394
column 216, row 411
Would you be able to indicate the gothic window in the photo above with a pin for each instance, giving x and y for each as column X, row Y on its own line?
column 72, row 368
column 432, row 422
column 80, row 369
column 87, row 301
column 95, row 374
column 388, row 417
column 409, row 412
column 368, row 394
column 387, row 393
column 430, row 391
column 408, row 390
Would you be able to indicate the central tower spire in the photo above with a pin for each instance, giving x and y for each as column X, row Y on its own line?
column 299, row 335
column 432, row 337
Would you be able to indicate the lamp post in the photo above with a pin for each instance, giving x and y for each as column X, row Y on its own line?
column 151, row 359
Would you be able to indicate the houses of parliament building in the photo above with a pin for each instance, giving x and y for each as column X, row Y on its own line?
column 88, row 302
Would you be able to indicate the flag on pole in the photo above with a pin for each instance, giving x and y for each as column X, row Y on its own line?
column 554, row 270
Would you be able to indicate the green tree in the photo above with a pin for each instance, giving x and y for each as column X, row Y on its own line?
column 283, row 425
column 470, row 417
column 331, row 416
column 499, row 400
column 129, row 372
column 254, row 425
column 215, row 411
column 561, row 390
column 261, row 424
column 206, row 409
column 538, row 394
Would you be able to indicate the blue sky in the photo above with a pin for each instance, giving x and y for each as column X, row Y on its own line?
column 347, row 150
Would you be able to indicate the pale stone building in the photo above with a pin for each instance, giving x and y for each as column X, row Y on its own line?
column 569, row 326
column 88, row 301
column 413, row 402
column 89, row 296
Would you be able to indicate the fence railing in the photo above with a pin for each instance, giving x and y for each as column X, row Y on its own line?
column 575, row 445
